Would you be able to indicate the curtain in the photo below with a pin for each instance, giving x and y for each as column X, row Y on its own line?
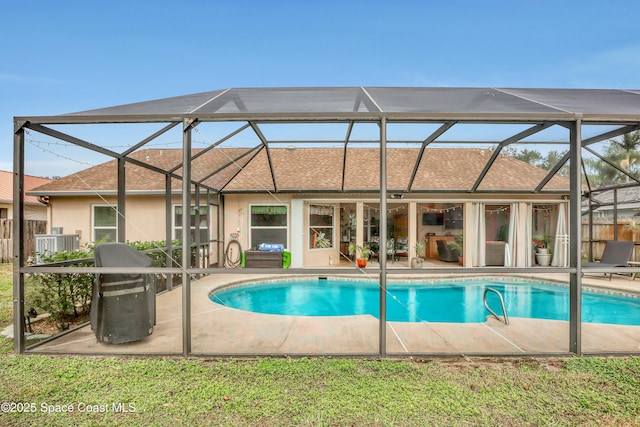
column 512, row 237
column 479, row 237
column 528, row 236
column 561, row 243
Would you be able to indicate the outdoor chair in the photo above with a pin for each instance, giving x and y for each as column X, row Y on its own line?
column 446, row 253
column 616, row 254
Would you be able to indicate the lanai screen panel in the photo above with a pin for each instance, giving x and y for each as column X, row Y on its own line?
column 454, row 100
column 175, row 105
column 290, row 100
column 587, row 101
column 494, row 104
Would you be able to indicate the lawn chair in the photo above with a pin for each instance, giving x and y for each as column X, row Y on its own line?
column 616, row 254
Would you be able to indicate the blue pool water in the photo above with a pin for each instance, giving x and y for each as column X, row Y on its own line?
column 432, row 302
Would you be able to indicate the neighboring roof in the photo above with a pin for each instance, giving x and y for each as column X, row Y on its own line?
column 315, row 170
column 626, row 198
column 30, row 182
column 335, row 103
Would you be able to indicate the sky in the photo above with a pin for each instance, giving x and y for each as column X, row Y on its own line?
column 68, row 56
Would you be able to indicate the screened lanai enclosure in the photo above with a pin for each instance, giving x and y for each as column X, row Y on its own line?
column 266, row 201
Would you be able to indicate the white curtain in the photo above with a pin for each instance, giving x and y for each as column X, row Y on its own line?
column 528, row 236
column 512, row 238
column 561, row 243
column 478, row 238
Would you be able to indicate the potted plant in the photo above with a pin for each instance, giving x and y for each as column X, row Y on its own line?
column 417, row 261
column 543, row 242
column 543, row 250
column 364, row 254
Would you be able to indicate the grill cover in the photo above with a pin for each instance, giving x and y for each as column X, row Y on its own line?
column 123, row 307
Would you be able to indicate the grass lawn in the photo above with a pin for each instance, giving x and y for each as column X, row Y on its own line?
column 105, row 391
column 6, row 294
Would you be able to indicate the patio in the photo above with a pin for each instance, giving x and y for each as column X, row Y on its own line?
column 219, row 330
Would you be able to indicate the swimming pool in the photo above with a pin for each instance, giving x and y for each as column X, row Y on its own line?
column 459, row 301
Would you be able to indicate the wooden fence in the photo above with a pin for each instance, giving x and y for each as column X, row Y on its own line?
column 31, row 228
column 603, row 231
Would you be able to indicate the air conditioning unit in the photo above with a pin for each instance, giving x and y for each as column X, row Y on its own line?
column 52, row 243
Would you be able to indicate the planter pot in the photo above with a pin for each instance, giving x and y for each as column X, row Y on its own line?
column 460, row 260
column 543, row 251
column 543, row 260
column 416, row 262
column 362, row 263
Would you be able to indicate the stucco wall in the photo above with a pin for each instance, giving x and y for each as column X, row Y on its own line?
column 145, row 216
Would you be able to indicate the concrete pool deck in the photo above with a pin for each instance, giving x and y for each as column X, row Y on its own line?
column 220, row 330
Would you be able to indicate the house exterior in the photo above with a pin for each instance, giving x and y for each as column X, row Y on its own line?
column 312, row 209
column 34, row 207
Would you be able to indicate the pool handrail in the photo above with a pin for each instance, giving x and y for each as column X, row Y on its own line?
column 505, row 318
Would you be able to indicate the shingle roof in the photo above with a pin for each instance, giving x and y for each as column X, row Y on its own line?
column 30, row 182
column 316, row 170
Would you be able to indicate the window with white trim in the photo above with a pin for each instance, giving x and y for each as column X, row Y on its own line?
column 321, row 226
column 268, row 224
column 203, row 219
column 104, row 223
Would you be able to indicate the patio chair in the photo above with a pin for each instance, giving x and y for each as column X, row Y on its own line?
column 616, row 253
column 446, row 253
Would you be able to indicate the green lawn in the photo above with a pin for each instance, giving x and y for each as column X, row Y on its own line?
column 6, row 295
column 315, row 391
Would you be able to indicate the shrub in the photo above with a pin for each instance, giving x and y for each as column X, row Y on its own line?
column 64, row 296
column 67, row 296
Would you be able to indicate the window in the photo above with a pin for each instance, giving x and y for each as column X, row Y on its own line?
column 105, row 224
column 268, row 224
column 321, row 226
column 204, row 220
column 4, row 213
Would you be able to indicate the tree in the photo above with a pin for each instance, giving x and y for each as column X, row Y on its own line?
column 629, row 143
column 532, row 157
column 535, row 158
column 622, row 153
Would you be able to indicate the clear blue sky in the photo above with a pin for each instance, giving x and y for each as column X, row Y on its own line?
column 67, row 56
